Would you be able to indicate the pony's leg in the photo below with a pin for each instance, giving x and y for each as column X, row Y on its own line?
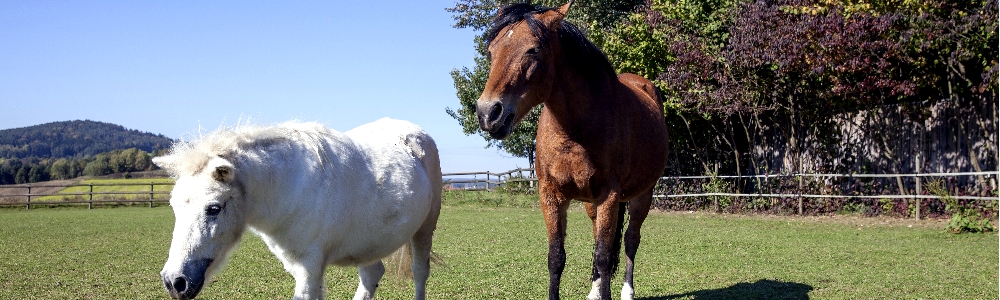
column 421, row 250
column 370, row 276
column 638, row 209
column 308, row 279
column 554, row 211
column 605, row 228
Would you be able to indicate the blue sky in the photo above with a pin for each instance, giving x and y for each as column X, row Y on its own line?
column 172, row 67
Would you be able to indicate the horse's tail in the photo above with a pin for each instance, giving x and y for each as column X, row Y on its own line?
column 616, row 244
column 398, row 264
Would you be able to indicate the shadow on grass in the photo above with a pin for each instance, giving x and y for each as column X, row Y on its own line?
column 762, row 289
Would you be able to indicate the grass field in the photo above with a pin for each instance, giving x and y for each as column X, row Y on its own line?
column 499, row 253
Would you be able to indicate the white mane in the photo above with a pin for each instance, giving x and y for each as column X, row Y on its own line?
column 228, row 141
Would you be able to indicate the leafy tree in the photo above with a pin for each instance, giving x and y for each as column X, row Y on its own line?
column 21, row 176
column 117, row 162
column 129, row 160
column 8, row 170
column 60, row 169
column 38, row 173
column 800, row 62
column 142, row 161
column 76, row 168
column 99, row 166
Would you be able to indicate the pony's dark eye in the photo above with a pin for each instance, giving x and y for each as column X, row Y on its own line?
column 213, row 210
column 532, row 51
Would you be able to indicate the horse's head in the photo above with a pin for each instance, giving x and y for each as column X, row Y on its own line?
column 523, row 42
column 207, row 201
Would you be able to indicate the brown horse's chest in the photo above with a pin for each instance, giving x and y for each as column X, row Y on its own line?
column 585, row 167
column 567, row 167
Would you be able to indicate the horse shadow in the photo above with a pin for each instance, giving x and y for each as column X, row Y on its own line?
column 762, row 289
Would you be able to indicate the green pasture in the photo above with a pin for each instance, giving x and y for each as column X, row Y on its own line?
column 495, row 252
column 113, row 185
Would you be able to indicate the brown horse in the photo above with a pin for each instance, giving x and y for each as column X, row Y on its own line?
column 601, row 136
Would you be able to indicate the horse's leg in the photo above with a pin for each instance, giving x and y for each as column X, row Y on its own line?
column 605, row 229
column 370, row 276
column 638, row 209
column 554, row 210
column 421, row 249
column 594, row 276
column 615, row 247
column 308, row 275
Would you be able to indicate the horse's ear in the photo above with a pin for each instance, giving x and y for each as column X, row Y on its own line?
column 552, row 18
column 223, row 173
column 564, row 9
column 222, row 170
column 167, row 162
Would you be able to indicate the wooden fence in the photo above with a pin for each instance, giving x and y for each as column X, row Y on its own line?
column 525, row 180
column 479, row 181
column 799, row 190
column 489, row 180
column 28, row 195
column 986, row 185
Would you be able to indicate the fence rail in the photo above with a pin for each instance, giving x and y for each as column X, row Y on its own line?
column 831, row 186
column 526, row 179
column 796, row 175
column 825, row 196
column 796, row 186
column 152, row 193
column 491, row 179
column 994, row 173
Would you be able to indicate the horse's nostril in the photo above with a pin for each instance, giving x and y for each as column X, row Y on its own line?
column 495, row 113
column 180, row 285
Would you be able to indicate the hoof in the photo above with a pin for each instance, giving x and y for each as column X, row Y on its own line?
column 627, row 292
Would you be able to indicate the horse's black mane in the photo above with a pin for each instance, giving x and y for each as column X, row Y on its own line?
column 590, row 60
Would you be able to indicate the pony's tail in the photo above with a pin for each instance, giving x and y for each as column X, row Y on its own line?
column 616, row 244
column 398, row 265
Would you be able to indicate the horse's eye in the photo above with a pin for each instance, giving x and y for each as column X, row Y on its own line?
column 213, row 209
column 533, row 51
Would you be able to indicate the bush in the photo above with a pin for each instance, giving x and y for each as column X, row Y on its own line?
column 965, row 215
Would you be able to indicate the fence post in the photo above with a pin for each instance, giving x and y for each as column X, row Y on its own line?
column 918, row 191
column 28, row 206
column 150, row 195
column 799, row 176
column 90, row 195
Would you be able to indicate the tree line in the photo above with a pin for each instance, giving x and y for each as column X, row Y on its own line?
column 75, row 139
column 30, row 170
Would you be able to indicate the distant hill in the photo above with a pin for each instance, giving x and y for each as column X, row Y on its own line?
column 75, row 139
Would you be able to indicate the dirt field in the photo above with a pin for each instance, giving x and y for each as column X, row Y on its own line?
column 48, row 187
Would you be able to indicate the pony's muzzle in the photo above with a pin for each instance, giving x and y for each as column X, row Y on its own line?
column 495, row 119
column 177, row 287
column 188, row 283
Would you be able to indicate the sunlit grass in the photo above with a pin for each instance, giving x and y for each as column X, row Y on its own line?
column 500, row 253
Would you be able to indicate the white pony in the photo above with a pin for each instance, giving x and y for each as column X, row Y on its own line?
column 316, row 197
